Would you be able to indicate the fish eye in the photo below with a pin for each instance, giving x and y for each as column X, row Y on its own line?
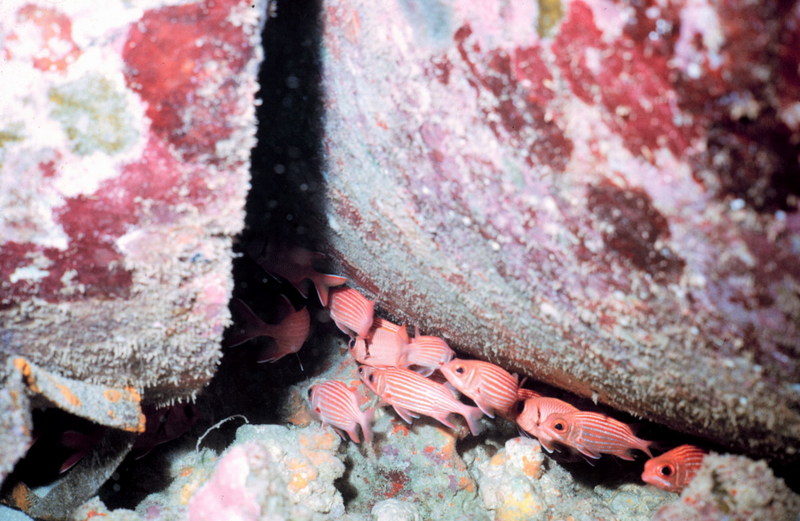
column 371, row 377
column 360, row 370
column 460, row 369
column 558, row 426
column 352, row 343
column 310, row 392
column 666, row 470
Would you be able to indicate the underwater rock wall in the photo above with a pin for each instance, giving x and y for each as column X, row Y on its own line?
column 125, row 133
column 601, row 195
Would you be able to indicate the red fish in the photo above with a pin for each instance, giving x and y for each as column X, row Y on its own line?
column 492, row 388
column 296, row 264
column 383, row 347
column 351, row 311
column 337, row 405
column 386, row 347
column 427, row 353
column 675, row 469
column 410, row 393
column 289, row 335
column 592, row 434
column 536, row 410
column 524, row 394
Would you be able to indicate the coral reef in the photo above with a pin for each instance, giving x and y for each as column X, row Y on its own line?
column 600, row 195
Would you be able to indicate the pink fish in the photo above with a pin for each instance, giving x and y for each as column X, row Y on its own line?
column 337, row 405
column 536, row 410
column 351, row 311
column 296, row 264
column 289, row 335
column 379, row 322
column 386, row 347
column 410, row 393
column 383, row 347
column 675, row 469
column 592, row 434
column 524, row 394
column 427, row 353
column 491, row 387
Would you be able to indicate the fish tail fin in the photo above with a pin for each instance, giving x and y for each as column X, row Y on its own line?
column 366, row 424
column 247, row 324
column 645, row 446
column 473, row 416
column 323, row 282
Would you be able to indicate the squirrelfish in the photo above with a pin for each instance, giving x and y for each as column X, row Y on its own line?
column 289, row 334
column 351, row 311
column 383, row 347
column 536, row 410
column 337, row 405
column 675, row 469
column 296, row 264
column 426, row 353
column 411, row 393
column 592, row 434
column 492, row 388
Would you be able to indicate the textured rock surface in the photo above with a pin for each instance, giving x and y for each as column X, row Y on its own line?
column 123, row 172
column 733, row 488
column 517, row 482
column 601, row 195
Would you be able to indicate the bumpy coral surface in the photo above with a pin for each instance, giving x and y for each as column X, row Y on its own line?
column 602, row 195
column 125, row 132
column 734, row 488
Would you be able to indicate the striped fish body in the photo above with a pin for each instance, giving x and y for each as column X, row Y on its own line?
column 524, row 394
column 412, row 394
column 289, row 335
column 427, row 353
column 675, row 469
column 379, row 322
column 492, row 388
column 593, row 434
column 296, row 264
column 336, row 405
column 351, row 311
column 536, row 411
column 385, row 347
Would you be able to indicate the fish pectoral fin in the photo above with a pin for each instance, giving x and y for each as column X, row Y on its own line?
column 488, row 411
column 405, row 414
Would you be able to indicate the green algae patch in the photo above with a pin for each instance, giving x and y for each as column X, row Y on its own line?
column 11, row 134
column 95, row 115
column 550, row 13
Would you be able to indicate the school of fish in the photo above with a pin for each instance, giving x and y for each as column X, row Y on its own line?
column 402, row 372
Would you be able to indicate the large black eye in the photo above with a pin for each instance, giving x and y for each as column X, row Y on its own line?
column 360, row 370
column 310, row 392
column 666, row 470
column 352, row 343
column 558, row 426
column 460, row 369
column 371, row 377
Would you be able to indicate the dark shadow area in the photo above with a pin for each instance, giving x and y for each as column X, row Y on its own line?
column 285, row 208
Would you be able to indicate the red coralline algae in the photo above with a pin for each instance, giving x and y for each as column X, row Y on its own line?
column 125, row 146
column 633, row 87
column 174, row 54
